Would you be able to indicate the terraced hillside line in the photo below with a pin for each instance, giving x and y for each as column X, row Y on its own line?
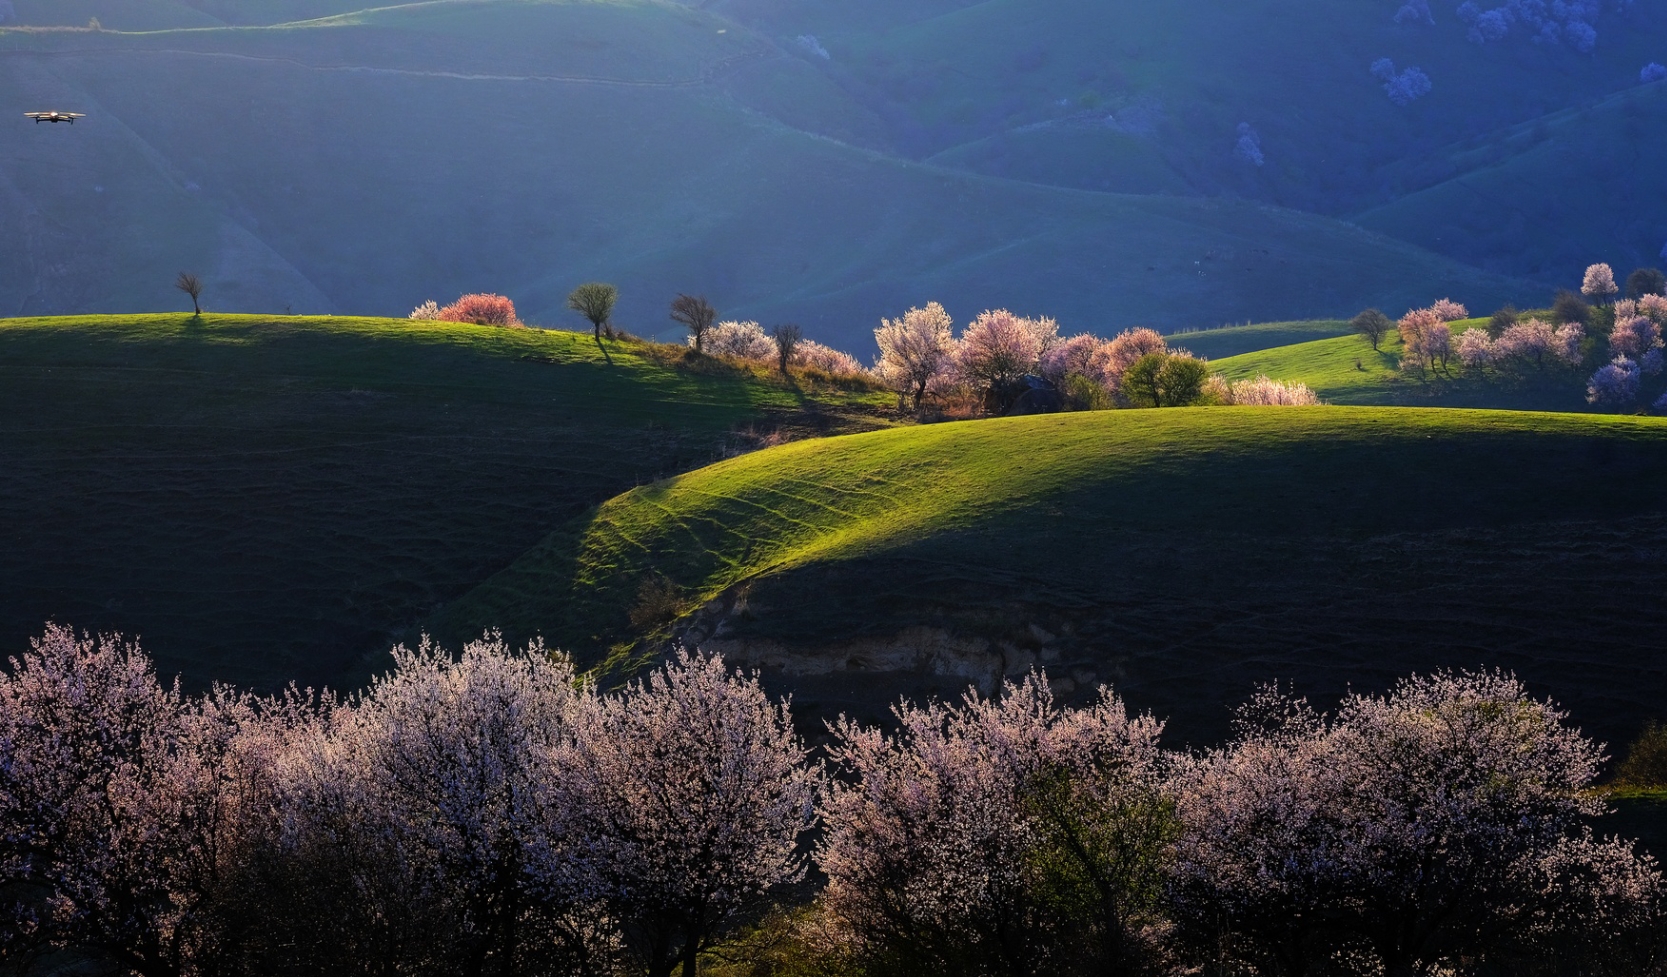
column 267, row 500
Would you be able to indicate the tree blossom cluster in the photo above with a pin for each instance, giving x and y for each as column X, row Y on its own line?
column 749, row 342
column 920, row 354
column 493, row 814
column 1551, row 21
column 482, row 309
column 1402, row 87
column 1438, row 828
column 487, row 814
column 1263, row 392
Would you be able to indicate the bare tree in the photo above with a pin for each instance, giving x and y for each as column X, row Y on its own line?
column 1372, row 324
column 193, row 286
column 787, row 338
column 696, row 314
column 595, row 301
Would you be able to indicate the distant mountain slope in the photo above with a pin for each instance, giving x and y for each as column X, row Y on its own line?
column 270, row 500
column 1550, row 196
column 1181, row 554
column 374, row 161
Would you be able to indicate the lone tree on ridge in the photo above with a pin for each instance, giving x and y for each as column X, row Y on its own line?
column 1372, row 324
column 787, row 339
column 595, row 301
column 193, row 286
column 696, row 314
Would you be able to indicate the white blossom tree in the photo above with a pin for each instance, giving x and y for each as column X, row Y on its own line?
column 916, row 349
column 691, row 795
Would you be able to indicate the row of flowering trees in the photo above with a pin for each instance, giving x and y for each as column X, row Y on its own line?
column 494, row 814
column 1622, row 336
column 920, row 354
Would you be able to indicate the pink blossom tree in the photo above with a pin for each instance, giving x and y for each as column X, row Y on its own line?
column 1448, row 310
column 1443, row 820
column 1421, row 338
column 957, row 844
column 1071, row 357
column 1114, row 358
column 738, row 341
column 1475, row 348
column 813, row 355
column 1614, row 384
column 915, row 349
column 691, row 794
column 458, row 765
column 482, row 309
column 1529, row 341
column 1599, row 283
column 1633, row 336
column 998, row 347
column 117, row 800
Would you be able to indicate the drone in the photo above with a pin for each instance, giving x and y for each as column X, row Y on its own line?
column 55, row 117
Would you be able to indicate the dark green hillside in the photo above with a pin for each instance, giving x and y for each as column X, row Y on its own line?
column 369, row 162
column 1182, row 554
column 265, row 500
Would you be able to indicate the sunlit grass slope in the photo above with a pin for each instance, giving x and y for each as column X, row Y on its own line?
column 266, row 499
column 1189, row 551
column 1215, row 344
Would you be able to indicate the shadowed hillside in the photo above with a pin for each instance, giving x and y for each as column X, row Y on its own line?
column 270, row 500
column 1182, row 555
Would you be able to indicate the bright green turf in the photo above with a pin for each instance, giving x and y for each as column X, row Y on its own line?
column 1207, row 470
column 266, row 499
column 1216, row 344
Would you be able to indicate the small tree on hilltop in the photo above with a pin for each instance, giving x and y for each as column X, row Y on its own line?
column 1502, row 320
column 916, row 349
column 1599, row 284
column 787, row 338
column 193, row 286
column 1646, row 281
column 696, row 314
column 1373, row 325
column 595, row 301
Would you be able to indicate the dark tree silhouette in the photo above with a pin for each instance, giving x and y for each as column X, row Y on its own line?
column 695, row 313
column 1646, row 281
column 595, row 301
column 1372, row 324
column 193, row 286
column 787, row 338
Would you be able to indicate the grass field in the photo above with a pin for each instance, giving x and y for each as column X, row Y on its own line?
column 270, row 499
column 1216, row 344
column 1346, row 370
column 1183, row 554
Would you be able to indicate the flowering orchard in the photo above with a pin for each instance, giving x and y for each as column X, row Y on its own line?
column 494, row 813
column 1619, row 340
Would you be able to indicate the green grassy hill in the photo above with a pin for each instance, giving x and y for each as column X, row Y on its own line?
column 1182, row 554
column 272, row 499
column 370, row 161
column 1346, row 370
column 1216, row 344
